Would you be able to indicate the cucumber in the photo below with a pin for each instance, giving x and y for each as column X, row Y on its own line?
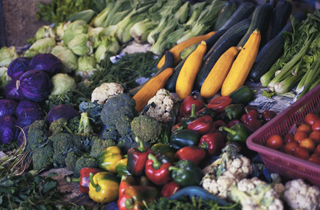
column 273, row 50
column 243, row 12
column 226, row 12
column 260, row 21
column 171, row 82
column 281, row 15
column 228, row 39
column 242, row 95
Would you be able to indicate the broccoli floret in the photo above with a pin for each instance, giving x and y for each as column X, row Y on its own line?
column 37, row 134
column 71, row 160
column 62, row 142
column 73, row 124
column 84, row 162
column 59, row 126
column 126, row 142
column 123, row 125
column 43, row 156
column 99, row 145
column 59, row 160
column 109, row 134
column 146, row 128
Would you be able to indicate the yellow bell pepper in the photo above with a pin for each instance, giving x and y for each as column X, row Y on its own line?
column 109, row 157
column 121, row 167
column 103, row 187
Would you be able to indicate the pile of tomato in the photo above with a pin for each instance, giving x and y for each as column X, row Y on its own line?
column 304, row 143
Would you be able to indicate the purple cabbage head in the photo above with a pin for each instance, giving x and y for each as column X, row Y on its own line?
column 23, row 135
column 29, row 115
column 26, row 104
column 7, row 107
column 35, row 85
column 18, row 66
column 8, row 129
column 46, row 62
column 61, row 111
column 11, row 91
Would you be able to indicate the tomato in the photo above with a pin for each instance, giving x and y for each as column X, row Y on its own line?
column 315, row 158
column 316, row 125
column 301, row 152
column 310, row 118
column 304, row 127
column 298, row 136
column 290, row 147
column 308, row 144
column 315, row 136
column 288, row 138
column 274, row 142
column 317, row 150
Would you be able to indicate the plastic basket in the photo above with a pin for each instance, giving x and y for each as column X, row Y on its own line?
column 279, row 162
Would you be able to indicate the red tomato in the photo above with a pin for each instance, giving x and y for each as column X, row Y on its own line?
column 304, row 127
column 310, row 118
column 302, row 153
column 316, row 125
column 315, row 158
column 315, row 136
column 298, row 136
column 308, row 144
column 290, row 147
column 274, row 142
column 288, row 138
column 317, row 150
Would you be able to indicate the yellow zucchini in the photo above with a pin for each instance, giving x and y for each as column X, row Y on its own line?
column 150, row 88
column 218, row 73
column 242, row 65
column 189, row 71
column 177, row 49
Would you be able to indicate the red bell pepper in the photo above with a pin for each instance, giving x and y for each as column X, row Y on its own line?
column 253, row 125
column 192, row 153
column 169, row 189
column 232, row 123
column 158, row 170
column 186, row 105
column 248, row 108
column 249, row 116
column 219, row 123
column 126, row 181
column 267, row 115
column 137, row 158
column 84, row 178
column 218, row 104
column 212, row 142
column 202, row 125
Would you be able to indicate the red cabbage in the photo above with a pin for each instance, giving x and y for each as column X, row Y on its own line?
column 21, row 139
column 7, row 107
column 61, row 111
column 26, row 104
column 35, row 85
column 29, row 115
column 46, row 62
column 11, row 91
column 18, row 66
column 8, row 129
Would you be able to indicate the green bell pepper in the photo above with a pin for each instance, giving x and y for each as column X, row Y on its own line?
column 238, row 132
column 184, row 137
column 164, row 149
column 242, row 95
column 234, row 111
column 186, row 173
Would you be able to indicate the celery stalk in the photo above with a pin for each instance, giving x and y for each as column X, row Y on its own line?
column 288, row 83
column 196, row 10
column 101, row 17
column 120, row 5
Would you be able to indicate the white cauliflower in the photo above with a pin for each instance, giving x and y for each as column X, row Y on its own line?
column 299, row 195
column 106, row 90
column 160, row 105
column 241, row 167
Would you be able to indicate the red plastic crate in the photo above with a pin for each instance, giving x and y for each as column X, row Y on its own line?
column 287, row 165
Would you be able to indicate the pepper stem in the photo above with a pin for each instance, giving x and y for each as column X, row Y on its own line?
column 204, row 145
column 233, row 132
column 68, row 179
column 193, row 110
column 173, row 168
column 96, row 186
column 229, row 116
column 129, row 203
column 141, row 147
column 156, row 163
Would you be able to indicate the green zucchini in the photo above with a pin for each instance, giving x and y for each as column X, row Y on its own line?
column 228, row 39
column 281, row 15
column 242, row 95
column 171, row 82
column 226, row 12
column 243, row 12
column 273, row 50
column 260, row 21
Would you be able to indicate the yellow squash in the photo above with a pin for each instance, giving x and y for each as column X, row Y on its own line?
column 177, row 49
column 189, row 71
column 218, row 73
column 242, row 65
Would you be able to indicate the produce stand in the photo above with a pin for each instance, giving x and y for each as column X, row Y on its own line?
column 157, row 104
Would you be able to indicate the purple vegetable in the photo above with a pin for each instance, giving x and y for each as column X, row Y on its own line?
column 7, row 107
column 35, row 85
column 29, row 115
column 60, row 111
column 26, row 104
column 46, row 62
column 8, row 129
column 11, row 91
column 23, row 135
column 18, row 66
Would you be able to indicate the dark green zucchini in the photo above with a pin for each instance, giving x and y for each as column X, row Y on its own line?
column 273, row 50
column 260, row 21
column 243, row 12
column 214, row 38
column 171, row 82
column 228, row 39
column 226, row 12
column 281, row 15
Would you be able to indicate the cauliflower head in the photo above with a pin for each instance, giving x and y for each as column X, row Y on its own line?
column 160, row 105
column 106, row 90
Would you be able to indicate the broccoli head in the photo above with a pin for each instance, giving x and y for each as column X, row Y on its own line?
column 43, row 156
column 59, row 126
column 71, row 160
column 100, row 145
column 123, row 125
column 74, row 124
column 37, row 134
column 84, row 162
column 62, row 143
column 109, row 134
column 59, row 160
column 146, row 128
